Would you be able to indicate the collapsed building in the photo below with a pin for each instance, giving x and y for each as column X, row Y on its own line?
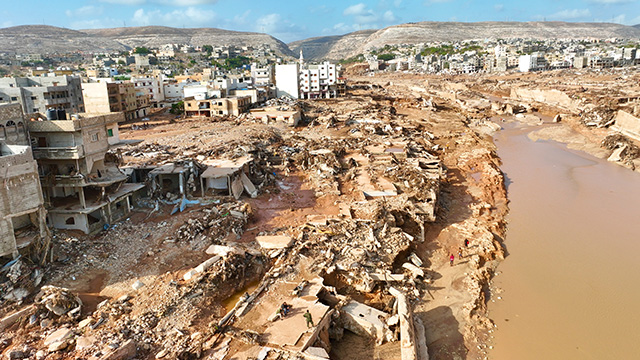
column 83, row 187
column 22, row 211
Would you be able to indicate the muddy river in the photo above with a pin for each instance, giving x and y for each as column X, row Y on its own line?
column 570, row 285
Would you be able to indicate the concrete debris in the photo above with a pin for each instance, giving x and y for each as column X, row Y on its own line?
column 598, row 116
column 58, row 301
column 274, row 241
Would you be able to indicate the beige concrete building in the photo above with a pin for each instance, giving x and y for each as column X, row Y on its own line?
column 217, row 107
column 104, row 97
column 83, row 187
column 22, row 212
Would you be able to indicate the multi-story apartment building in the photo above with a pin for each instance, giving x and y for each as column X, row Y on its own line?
column 151, row 86
column 37, row 94
column 262, row 75
column 174, row 91
column 318, row 81
column 83, row 187
column 118, row 96
column 217, row 107
column 22, row 212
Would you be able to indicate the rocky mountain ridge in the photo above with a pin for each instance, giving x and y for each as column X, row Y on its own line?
column 345, row 46
column 49, row 39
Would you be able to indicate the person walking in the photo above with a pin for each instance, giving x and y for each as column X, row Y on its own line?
column 460, row 253
column 308, row 319
column 451, row 258
column 466, row 242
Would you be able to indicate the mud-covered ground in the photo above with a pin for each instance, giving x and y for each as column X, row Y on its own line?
column 448, row 119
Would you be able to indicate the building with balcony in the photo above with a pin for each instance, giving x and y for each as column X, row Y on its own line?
column 262, row 75
column 115, row 96
column 217, row 107
column 82, row 185
column 22, row 211
column 150, row 86
column 39, row 93
column 319, row 81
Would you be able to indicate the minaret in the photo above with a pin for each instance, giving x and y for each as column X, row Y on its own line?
column 301, row 59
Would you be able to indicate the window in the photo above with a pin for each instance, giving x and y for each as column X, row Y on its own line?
column 70, row 221
column 94, row 137
column 109, row 132
column 34, row 98
column 14, row 98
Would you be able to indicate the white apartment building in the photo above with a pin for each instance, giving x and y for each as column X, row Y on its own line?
column 174, row 91
column 201, row 91
column 528, row 63
column 287, row 80
column 150, row 86
column 261, row 76
column 318, row 81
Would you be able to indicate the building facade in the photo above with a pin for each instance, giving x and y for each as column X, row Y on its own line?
column 82, row 185
column 217, row 107
column 37, row 94
column 22, row 211
column 104, row 97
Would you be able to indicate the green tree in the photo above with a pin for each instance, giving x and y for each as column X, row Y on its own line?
column 207, row 48
column 386, row 57
column 142, row 50
column 177, row 108
column 236, row 62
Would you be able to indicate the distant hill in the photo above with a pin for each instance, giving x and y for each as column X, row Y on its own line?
column 345, row 46
column 330, row 47
column 155, row 36
column 44, row 39
column 49, row 39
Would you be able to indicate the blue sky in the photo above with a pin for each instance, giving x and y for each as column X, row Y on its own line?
column 294, row 20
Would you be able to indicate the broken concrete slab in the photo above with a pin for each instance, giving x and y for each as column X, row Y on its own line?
column 316, row 353
column 627, row 124
column 317, row 220
column 61, row 334
column 126, row 351
column 223, row 250
column 12, row 318
column 415, row 271
column 201, row 268
column 365, row 320
column 248, row 186
column 85, row 342
column 274, row 241
column 386, row 276
column 616, row 156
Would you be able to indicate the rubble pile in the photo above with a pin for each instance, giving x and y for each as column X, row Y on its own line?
column 214, row 225
column 59, row 301
column 598, row 116
column 283, row 103
column 625, row 149
column 18, row 280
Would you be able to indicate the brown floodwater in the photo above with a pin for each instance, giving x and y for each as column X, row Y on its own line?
column 569, row 287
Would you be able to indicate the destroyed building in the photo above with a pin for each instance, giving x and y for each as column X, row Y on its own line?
column 22, row 213
column 83, row 187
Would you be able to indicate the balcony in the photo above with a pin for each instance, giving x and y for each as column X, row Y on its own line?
column 63, row 180
column 62, row 153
